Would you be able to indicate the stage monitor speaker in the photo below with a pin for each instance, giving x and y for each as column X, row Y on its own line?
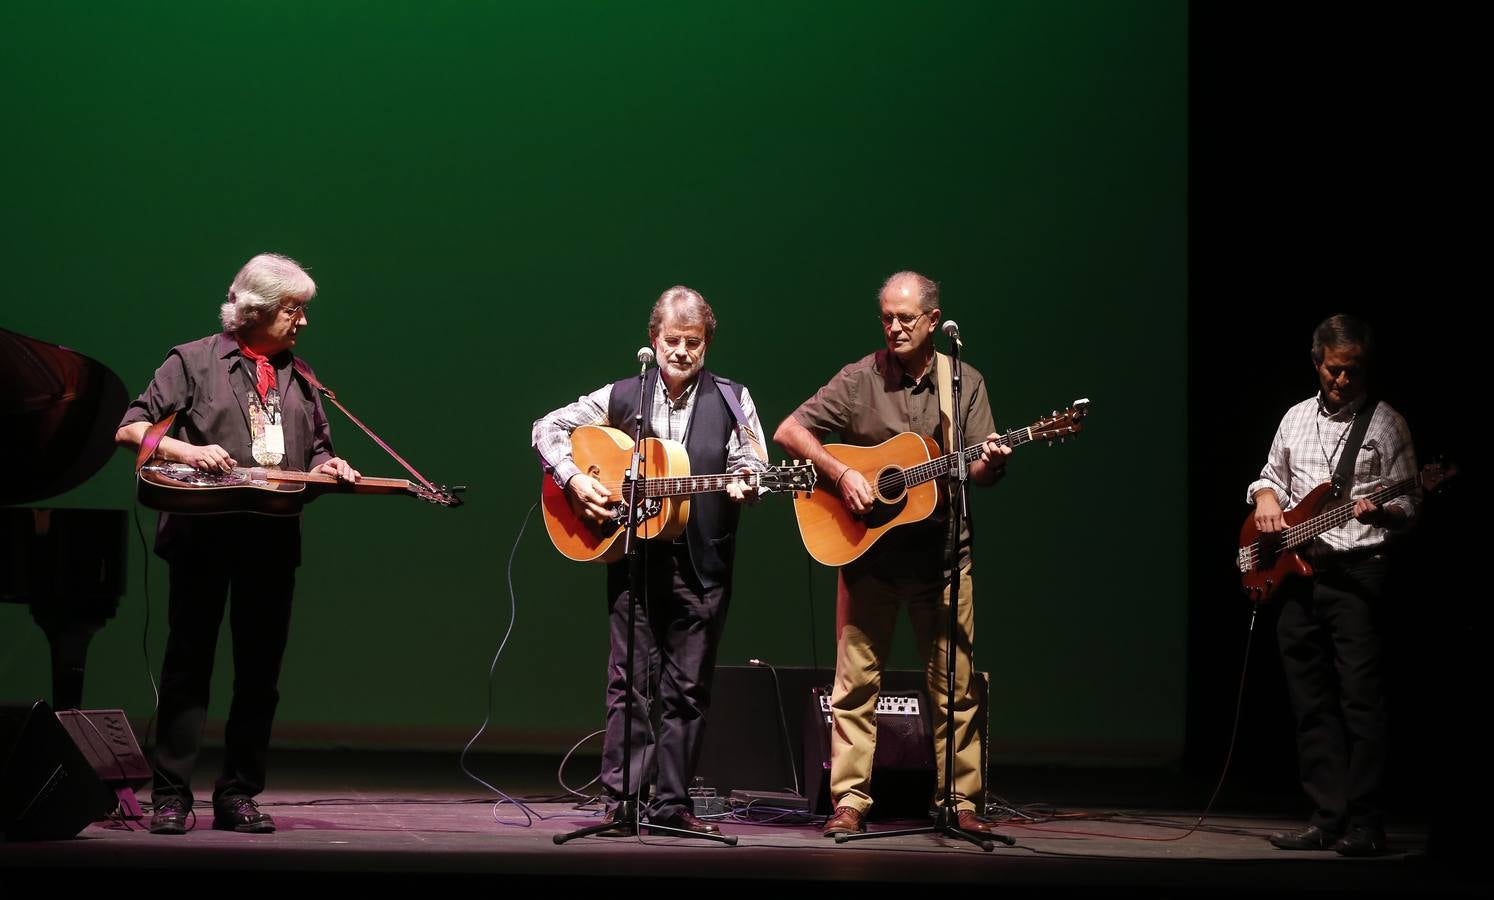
column 903, row 772
column 746, row 747
column 109, row 745
column 48, row 790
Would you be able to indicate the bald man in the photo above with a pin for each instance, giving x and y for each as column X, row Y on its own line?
column 879, row 396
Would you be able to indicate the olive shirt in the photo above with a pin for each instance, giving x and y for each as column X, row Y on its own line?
column 871, row 401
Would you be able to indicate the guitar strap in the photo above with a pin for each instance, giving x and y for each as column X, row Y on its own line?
column 1343, row 476
column 735, row 405
column 943, row 376
column 311, row 379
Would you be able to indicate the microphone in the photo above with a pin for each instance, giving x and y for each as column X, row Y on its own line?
column 645, row 358
column 952, row 329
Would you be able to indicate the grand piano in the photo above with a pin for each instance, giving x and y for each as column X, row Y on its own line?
column 58, row 414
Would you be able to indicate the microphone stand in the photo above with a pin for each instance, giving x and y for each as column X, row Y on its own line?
column 947, row 822
column 627, row 808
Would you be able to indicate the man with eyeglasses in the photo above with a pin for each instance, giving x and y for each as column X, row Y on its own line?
column 240, row 401
column 688, row 582
column 879, row 396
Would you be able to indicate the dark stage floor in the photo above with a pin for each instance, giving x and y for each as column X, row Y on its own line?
column 378, row 818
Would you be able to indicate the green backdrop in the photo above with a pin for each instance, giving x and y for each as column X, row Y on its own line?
column 491, row 195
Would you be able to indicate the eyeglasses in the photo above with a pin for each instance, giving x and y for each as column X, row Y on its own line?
column 295, row 311
column 902, row 319
column 692, row 344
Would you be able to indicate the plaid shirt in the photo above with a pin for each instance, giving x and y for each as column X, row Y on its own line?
column 1307, row 448
column 551, row 435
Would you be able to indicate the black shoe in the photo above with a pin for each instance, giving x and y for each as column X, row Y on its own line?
column 621, row 826
column 1361, row 840
column 684, row 822
column 169, row 816
column 241, row 814
column 1310, row 838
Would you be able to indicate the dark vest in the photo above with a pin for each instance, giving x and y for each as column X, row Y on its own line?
column 710, row 532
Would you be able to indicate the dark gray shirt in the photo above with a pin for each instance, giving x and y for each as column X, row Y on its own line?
column 207, row 382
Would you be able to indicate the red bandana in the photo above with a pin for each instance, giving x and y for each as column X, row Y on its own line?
column 264, row 373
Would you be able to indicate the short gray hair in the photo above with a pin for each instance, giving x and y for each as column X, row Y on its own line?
column 928, row 289
column 260, row 286
column 686, row 306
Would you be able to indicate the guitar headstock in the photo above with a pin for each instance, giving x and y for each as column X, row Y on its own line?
column 798, row 477
column 1060, row 424
column 1434, row 475
column 440, row 495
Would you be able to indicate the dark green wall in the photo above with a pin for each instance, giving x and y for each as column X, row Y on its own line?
column 491, row 195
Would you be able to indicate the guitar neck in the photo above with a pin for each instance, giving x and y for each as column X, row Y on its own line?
column 938, row 468
column 690, row 484
column 1303, row 532
column 365, row 483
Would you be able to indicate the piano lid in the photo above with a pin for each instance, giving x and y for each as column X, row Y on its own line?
column 58, row 414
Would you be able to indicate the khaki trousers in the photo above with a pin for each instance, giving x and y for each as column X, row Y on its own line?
column 866, row 613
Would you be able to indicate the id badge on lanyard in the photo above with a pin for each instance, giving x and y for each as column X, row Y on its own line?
column 268, row 445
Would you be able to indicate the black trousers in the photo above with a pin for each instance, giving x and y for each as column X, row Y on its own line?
column 1331, row 651
column 259, row 624
column 676, row 633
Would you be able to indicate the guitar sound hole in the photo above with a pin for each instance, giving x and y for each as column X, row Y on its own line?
column 891, row 485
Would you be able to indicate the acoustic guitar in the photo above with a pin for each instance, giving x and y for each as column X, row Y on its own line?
column 901, row 472
column 664, row 496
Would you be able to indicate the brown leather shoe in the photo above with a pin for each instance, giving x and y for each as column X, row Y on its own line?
column 845, row 821
column 969, row 821
column 685, row 822
column 620, row 825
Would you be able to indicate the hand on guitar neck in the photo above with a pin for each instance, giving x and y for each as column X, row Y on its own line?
column 591, row 500
column 1269, row 519
column 338, row 468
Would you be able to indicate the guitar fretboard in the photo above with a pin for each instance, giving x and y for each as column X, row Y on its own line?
column 938, row 468
column 690, row 484
column 1302, row 532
